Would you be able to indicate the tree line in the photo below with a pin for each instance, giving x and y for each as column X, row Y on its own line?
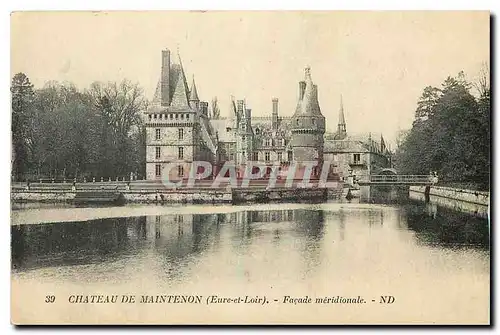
column 450, row 134
column 59, row 131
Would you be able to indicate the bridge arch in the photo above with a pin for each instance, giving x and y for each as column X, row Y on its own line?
column 389, row 172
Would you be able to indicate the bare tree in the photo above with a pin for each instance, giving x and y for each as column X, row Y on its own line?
column 215, row 109
column 482, row 84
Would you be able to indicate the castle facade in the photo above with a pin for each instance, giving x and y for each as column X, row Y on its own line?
column 180, row 129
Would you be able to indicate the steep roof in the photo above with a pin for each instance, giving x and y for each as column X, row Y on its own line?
column 309, row 104
column 220, row 127
column 178, row 89
column 193, row 95
column 361, row 142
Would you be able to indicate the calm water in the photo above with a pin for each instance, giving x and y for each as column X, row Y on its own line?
column 433, row 260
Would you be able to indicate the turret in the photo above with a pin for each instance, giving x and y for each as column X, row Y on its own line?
column 194, row 101
column 308, row 123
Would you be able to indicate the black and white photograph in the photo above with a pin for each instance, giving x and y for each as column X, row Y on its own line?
column 250, row 168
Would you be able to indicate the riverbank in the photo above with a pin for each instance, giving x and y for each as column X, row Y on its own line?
column 471, row 196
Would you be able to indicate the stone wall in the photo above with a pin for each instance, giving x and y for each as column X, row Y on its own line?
column 180, row 196
column 296, row 194
column 131, row 196
column 476, row 197
column 42, row 196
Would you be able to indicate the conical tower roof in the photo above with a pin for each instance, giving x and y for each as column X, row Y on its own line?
column 309, row 105
column 179, row 87
column 193, row 95
column 157, row 96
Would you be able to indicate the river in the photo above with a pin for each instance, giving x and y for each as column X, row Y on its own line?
column 433, row 261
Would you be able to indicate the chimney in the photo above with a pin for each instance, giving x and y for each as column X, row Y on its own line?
column 302, row 89
column 165, row 77
column 204, row 107
column 239, row 108
column 275, row 114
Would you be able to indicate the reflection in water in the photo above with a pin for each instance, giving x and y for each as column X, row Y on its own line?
column 441, row 226
column 325, row 249
column 176, row 237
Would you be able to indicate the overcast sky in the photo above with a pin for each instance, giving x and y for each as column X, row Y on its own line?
column 379, row 61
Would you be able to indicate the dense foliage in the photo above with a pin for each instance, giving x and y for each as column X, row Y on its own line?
column 61, row 132
column 450, row 134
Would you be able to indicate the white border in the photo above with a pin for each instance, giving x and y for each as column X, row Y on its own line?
column 8, row 6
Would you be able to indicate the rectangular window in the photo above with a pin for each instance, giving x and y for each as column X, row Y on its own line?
column 268, row 156
column 290, row 156
column 231, row 156
column 280, row 156
column 180, row 171
column 181, row 153
column 255, row 156
column 181, row 134
column 158, row 170
column 268, row 142
column 158, row 134
column 157, row 153
column 283, row 142
column 357, row 158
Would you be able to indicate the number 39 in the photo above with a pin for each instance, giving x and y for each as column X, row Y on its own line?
column 49, row 299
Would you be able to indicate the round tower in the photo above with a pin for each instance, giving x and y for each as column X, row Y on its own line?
column 308, row 124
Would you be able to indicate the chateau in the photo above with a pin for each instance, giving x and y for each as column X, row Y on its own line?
column 180, row 129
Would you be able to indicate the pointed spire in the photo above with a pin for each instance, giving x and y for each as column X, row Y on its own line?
column 341, row 112
column 193, row 96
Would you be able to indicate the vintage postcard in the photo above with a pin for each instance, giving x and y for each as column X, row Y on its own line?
column 241, row 167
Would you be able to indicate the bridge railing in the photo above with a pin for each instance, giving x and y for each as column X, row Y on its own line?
column 400, row 179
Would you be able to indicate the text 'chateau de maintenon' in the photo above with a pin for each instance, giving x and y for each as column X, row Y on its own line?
column 181, row 129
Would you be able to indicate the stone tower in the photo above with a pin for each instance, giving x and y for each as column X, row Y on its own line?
column 176, row 127
column 308, row 124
